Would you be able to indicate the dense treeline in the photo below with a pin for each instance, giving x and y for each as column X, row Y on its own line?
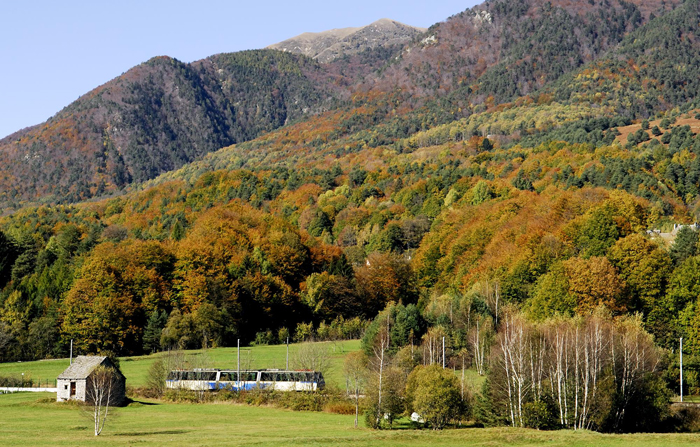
column 593, row 371
column 587, row 106
column 235, row 273
column 266, row 250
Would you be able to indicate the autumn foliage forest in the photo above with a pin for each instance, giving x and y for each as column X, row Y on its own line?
column 473, row 185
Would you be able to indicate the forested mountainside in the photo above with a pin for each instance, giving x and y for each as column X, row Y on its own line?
column 653, row 69
column 408, row 107
column 557, row 211
column 157, row 117
column 506, row 49
column 163, row 113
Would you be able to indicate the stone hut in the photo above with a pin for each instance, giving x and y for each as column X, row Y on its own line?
column 77, row 381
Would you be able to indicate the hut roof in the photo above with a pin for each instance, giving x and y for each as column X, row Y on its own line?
column 82, row 366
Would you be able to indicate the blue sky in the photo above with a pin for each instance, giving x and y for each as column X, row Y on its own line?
column 51, row 52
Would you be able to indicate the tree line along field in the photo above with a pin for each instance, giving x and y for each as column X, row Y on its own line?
column 136, row 368
column 36, row 417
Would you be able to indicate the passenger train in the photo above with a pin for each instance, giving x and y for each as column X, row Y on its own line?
column 273, row 379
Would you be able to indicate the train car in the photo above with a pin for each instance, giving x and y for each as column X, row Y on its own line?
column 291, row 380
column 195, row 380
column 229, row 380
column 215, row 379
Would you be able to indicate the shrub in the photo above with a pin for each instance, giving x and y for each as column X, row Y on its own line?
column 436, row 395
column 540, row 415
column 303, row 332
column 265, row 338
column 188, row 396
column 338, row 407
column 283, row 335
column 684, row 419
column 302, row 401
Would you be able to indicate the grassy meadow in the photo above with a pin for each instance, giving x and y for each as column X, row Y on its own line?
column 37, row 417
column 31, row 418
column 136, row 368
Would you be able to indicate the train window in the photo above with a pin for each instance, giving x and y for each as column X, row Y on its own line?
column 206, row 375
column 232, row 376
column 276, row 377
column 288, row 376
column 302, row 377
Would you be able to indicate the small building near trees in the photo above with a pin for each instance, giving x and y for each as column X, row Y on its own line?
column 77, row 382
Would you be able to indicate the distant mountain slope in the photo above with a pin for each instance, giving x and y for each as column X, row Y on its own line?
column 652, row 69
column 157, row 117
column 329, row 45
column 655, row 68
column 163, row 114
column 504, row 49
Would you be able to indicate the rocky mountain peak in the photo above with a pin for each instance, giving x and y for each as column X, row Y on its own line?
column 327, row 46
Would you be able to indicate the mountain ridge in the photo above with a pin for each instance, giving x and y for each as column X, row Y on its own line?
column 163, row 114
column 156, row 117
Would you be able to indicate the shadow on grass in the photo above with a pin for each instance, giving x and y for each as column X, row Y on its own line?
column 406, row 424
column 138, row 403
column 403, row 424
column 150, row 433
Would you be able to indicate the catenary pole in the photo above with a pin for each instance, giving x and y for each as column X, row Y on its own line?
column 443, row 352
column 681, row 369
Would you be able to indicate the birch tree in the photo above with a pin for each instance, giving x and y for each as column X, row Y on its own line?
column 480, row 338
column 100, row 394
column 568, row 359
column 378, row 363
column 355, row 368
column 314, row 356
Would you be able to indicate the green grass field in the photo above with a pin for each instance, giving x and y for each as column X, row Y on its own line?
column 34, row 419
column 686, row 398
column 136, row 368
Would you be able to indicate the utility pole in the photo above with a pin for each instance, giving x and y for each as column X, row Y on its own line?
column 287, row 367
column 238, row 355
column 681, row 369
column 71, row 351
